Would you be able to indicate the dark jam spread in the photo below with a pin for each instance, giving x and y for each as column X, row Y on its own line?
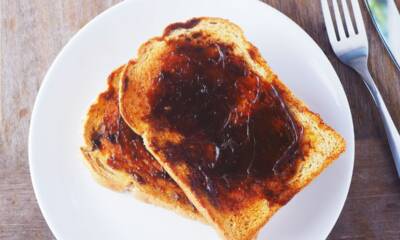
column 179, row 25
column 126, row 149
column 132, row 156
column 235, row 126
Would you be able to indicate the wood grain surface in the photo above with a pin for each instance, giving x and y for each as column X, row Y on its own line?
column 32, row 32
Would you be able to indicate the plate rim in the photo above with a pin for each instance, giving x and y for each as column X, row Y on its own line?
column 350, row 143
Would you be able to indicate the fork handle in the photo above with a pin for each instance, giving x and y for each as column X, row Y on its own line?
column 361, row 66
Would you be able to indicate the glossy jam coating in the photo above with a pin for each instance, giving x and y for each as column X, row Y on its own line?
column 236, row 126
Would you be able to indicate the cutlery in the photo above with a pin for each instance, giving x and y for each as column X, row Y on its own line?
column 351, row 47
column 386, row 19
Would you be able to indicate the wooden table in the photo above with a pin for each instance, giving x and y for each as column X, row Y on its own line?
column 32, row 32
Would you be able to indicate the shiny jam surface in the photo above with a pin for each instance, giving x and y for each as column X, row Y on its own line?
column 237, row 129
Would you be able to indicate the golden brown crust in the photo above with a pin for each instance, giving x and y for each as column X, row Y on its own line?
column 324, row 144
column 101, row 120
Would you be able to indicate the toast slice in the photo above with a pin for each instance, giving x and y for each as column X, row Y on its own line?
column 222, row 124
column 118, row 159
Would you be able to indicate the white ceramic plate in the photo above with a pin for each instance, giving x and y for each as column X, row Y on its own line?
column 76, row 207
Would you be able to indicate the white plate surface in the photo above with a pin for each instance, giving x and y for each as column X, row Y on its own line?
column 75, row 207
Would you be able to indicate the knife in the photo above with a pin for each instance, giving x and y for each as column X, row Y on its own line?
column 386, row 19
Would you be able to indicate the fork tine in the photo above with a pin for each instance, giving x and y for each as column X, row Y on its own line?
column 349, row 23
column 328, row 21
column 339, row 23
column 358, row 17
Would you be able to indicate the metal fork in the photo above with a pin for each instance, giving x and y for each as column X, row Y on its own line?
column 352, row 50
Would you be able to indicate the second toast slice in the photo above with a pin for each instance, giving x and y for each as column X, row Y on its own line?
column 118, row 159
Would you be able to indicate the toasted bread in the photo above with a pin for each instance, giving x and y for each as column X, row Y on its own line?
column 178, row 134
column 118, row 159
